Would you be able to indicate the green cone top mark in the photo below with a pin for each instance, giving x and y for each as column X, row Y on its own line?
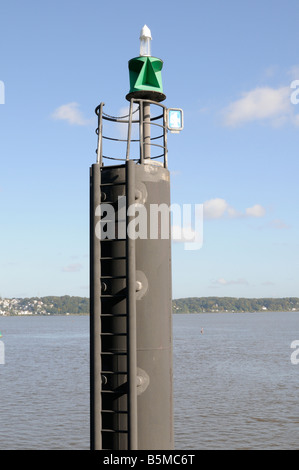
column 145, row 72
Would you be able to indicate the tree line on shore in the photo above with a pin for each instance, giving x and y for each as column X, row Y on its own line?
column 234, row 304
column 62, row 305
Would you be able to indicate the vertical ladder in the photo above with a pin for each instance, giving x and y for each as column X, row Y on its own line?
column 118, row 322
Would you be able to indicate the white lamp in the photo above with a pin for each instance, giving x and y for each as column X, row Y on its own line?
column 145, row 41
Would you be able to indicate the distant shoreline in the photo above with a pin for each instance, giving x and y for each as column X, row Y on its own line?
column 174, row 313
column 71, row 305
column 258, row 311
column 235, row 305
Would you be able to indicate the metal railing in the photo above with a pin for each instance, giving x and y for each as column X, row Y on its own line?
column 157, row 142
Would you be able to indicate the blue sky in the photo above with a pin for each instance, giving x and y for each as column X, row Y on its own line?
column 229, row 65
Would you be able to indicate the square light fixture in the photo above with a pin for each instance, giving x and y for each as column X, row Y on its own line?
column 175, row 119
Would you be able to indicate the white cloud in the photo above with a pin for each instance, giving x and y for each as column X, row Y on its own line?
column 268, row 283
column 70, row 113
column 218, row 208
column 233, row 213
column 122, row 128
column 192, row 239
column 182, row 234
column 175, row 173
column 223, row 282
column 296, row 120
column 278, row 224
column 256, row 211
column 215, row 208
column 270, row 71
column 124, row 112
column 261, row 103
column 294, row 72
column 72, row 268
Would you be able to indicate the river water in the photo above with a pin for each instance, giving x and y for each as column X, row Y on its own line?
column 235, row 386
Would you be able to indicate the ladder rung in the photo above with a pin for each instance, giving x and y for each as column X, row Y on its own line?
column 105, row 372
column 114, row 184
column 111, row 202
column 113, row 277
column 117, row 431
column 114, row 412
column 106, row 315
column 113, row 240
column 114, row 353
column 114, row 334
column 112, row 372
column 112, row 296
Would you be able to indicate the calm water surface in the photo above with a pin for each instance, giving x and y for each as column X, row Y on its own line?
column 234, row 385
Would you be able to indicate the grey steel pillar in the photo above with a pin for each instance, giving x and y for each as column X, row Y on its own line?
column 131, row 306
column 131, row 314
column 95, row 312
column 154, row 316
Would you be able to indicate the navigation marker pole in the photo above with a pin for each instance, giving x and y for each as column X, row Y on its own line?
column 130, row 276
